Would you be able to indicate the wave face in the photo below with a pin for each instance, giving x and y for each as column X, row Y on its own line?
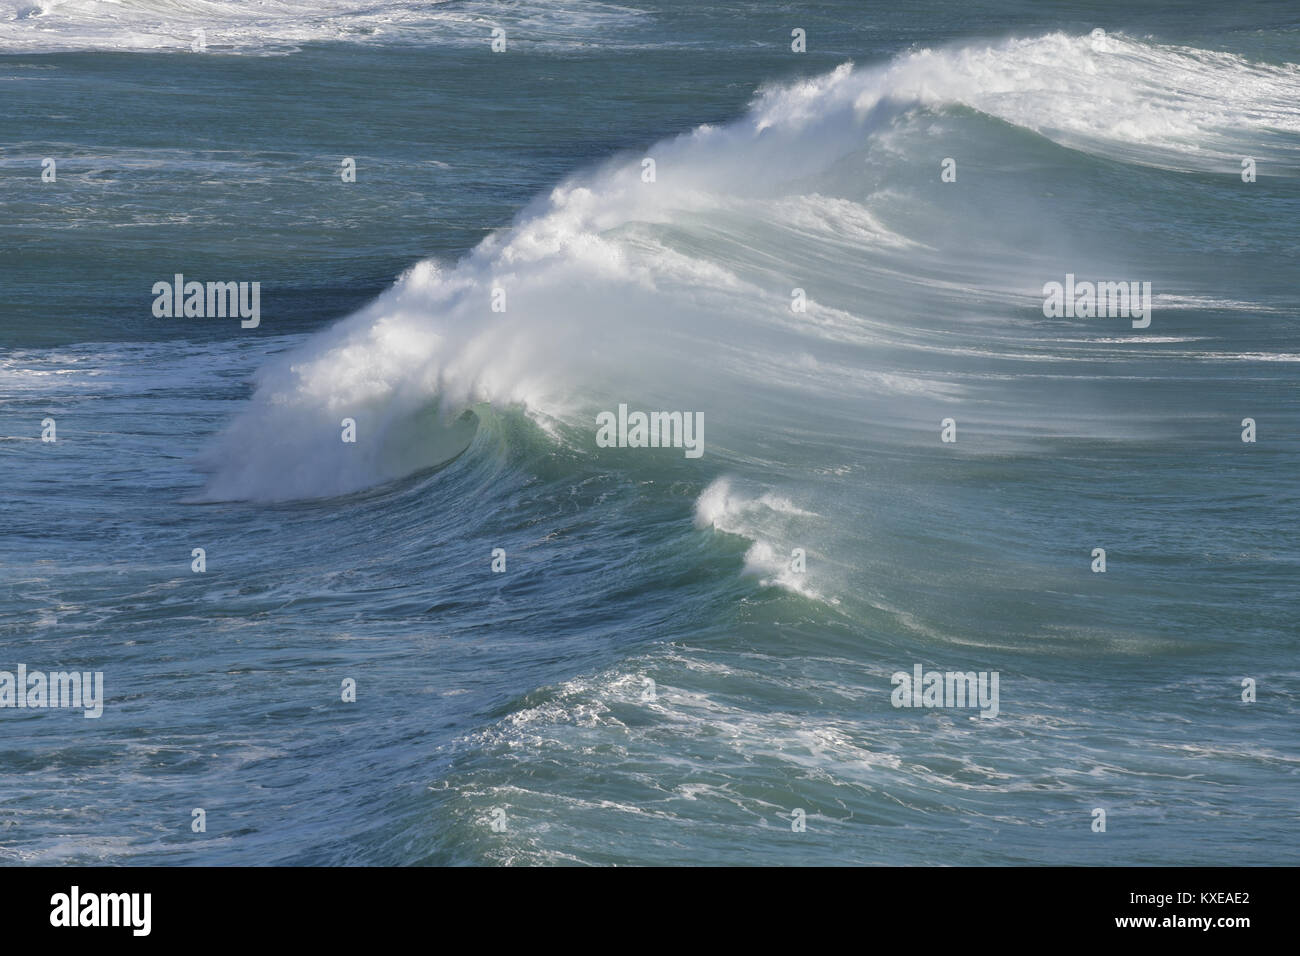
column 654, row 678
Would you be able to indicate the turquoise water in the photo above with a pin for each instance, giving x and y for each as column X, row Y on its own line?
column 1111, row 156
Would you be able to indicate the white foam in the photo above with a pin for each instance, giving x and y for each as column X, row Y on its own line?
column 230, row 26
column 766, row 519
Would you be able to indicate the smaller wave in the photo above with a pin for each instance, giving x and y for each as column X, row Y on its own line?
column 765, row 519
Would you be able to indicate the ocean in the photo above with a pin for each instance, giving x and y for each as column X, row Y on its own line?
column 367, row 584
